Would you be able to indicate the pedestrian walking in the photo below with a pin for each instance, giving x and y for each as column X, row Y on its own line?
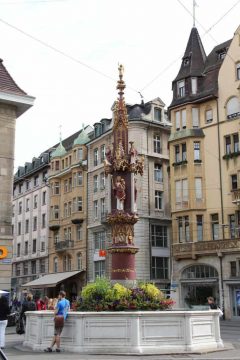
column 60, row 315
column 4, row 312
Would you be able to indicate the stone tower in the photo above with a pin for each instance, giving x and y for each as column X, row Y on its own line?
column 121, row 164
column 13, row 103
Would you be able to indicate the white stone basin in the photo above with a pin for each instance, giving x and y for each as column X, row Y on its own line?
column 131, row 332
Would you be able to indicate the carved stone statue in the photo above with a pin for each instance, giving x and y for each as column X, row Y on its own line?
column 119, row 192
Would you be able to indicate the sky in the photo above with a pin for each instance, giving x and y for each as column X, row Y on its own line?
column 66, row 53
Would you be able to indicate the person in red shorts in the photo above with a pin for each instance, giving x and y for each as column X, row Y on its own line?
column 60, row 315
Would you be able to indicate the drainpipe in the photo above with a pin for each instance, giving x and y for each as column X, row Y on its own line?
column 222, row 211
column 149, row 212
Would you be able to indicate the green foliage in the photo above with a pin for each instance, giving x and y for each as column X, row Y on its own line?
column 103, row 296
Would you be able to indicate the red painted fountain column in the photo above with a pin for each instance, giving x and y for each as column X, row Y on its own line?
column 121, row 164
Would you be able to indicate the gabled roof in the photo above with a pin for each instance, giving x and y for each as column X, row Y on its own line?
column 194, row 57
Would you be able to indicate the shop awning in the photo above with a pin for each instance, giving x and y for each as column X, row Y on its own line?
column 51, row 280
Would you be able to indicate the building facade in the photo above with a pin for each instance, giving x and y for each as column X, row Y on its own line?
column 68, row 212
column 30, row 215
column 149, row 129
column 13, row 103
column 203, row 172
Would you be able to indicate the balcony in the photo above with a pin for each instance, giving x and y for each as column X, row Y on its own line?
column 236, row 196
column 77, row 217
column 192, row 250
column 64, row 245
column 54, row 225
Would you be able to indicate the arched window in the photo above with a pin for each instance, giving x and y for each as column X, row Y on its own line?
column 200, row 272
column 79, row 261
column 55, row 264
column 233, row 108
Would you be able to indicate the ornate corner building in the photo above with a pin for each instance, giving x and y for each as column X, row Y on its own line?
column 204, row 174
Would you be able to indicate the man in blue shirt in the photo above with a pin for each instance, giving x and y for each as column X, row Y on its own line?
column 60, row 315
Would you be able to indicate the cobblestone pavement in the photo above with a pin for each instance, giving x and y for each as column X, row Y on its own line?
column 230, row 331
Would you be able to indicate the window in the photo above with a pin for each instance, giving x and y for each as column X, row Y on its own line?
column 18, row 250
column 233, row 268
column 158, row 175
column 69, row 230
column 79, row 178
column 198, row 188
column 26, row 248
column 42, row 266
column 20, row 208
column 95, row 209
column 65, row 232
column 70, row 184
column 65, row 186
column 44, row 198
column 25, row 268
column 178, row 125
column 184, row 119
column 177, row 153
column 79, row 261
column 157, row 114
column 80, row 154
column 79, row 203
column 95, row 183
column 56, row 190
column 27, row 204
column 102, row 206
column 183, row 229
column 232, row 225
column 18, row 269
column 215, row 226
column 159, row 267
column 36, row 180
column 238, row 71
column 195, row 118
column 95, row 157
column 228, row 144
column 20, row 188
column 35, row 223
column 19, row 228
column 181, row 88
column 99, row 240
column 159, row 236
column 181, row 187
column 102, row 153
column 43, row 246
column 184, row 152
column 199, row 227
column 35, row 201
column 233, row 108
column 27, row 226
column 66, row 162
column 209, row 116
column 69, row 208
column 65, row 210
column 43, row 221
column 157, row 143
column 102, row 181
column 234, row 182
column 99, row 268
column 199, row 272
column 28, row 184
column 57, row 165
column 34, row 246
column 33, row 266
column 79, row 232
column 194, row 85
column 196, row 149
column 235, row 143
column 158, row 200
column 55, row 264
column 55, row 212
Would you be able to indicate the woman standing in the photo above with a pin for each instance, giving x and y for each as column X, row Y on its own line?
column 4, row 312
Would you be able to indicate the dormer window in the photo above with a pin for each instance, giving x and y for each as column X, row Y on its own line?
column 157, row 114
column 221, row 53
column 181, row 88
column 194, row 85
column 186, row 61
